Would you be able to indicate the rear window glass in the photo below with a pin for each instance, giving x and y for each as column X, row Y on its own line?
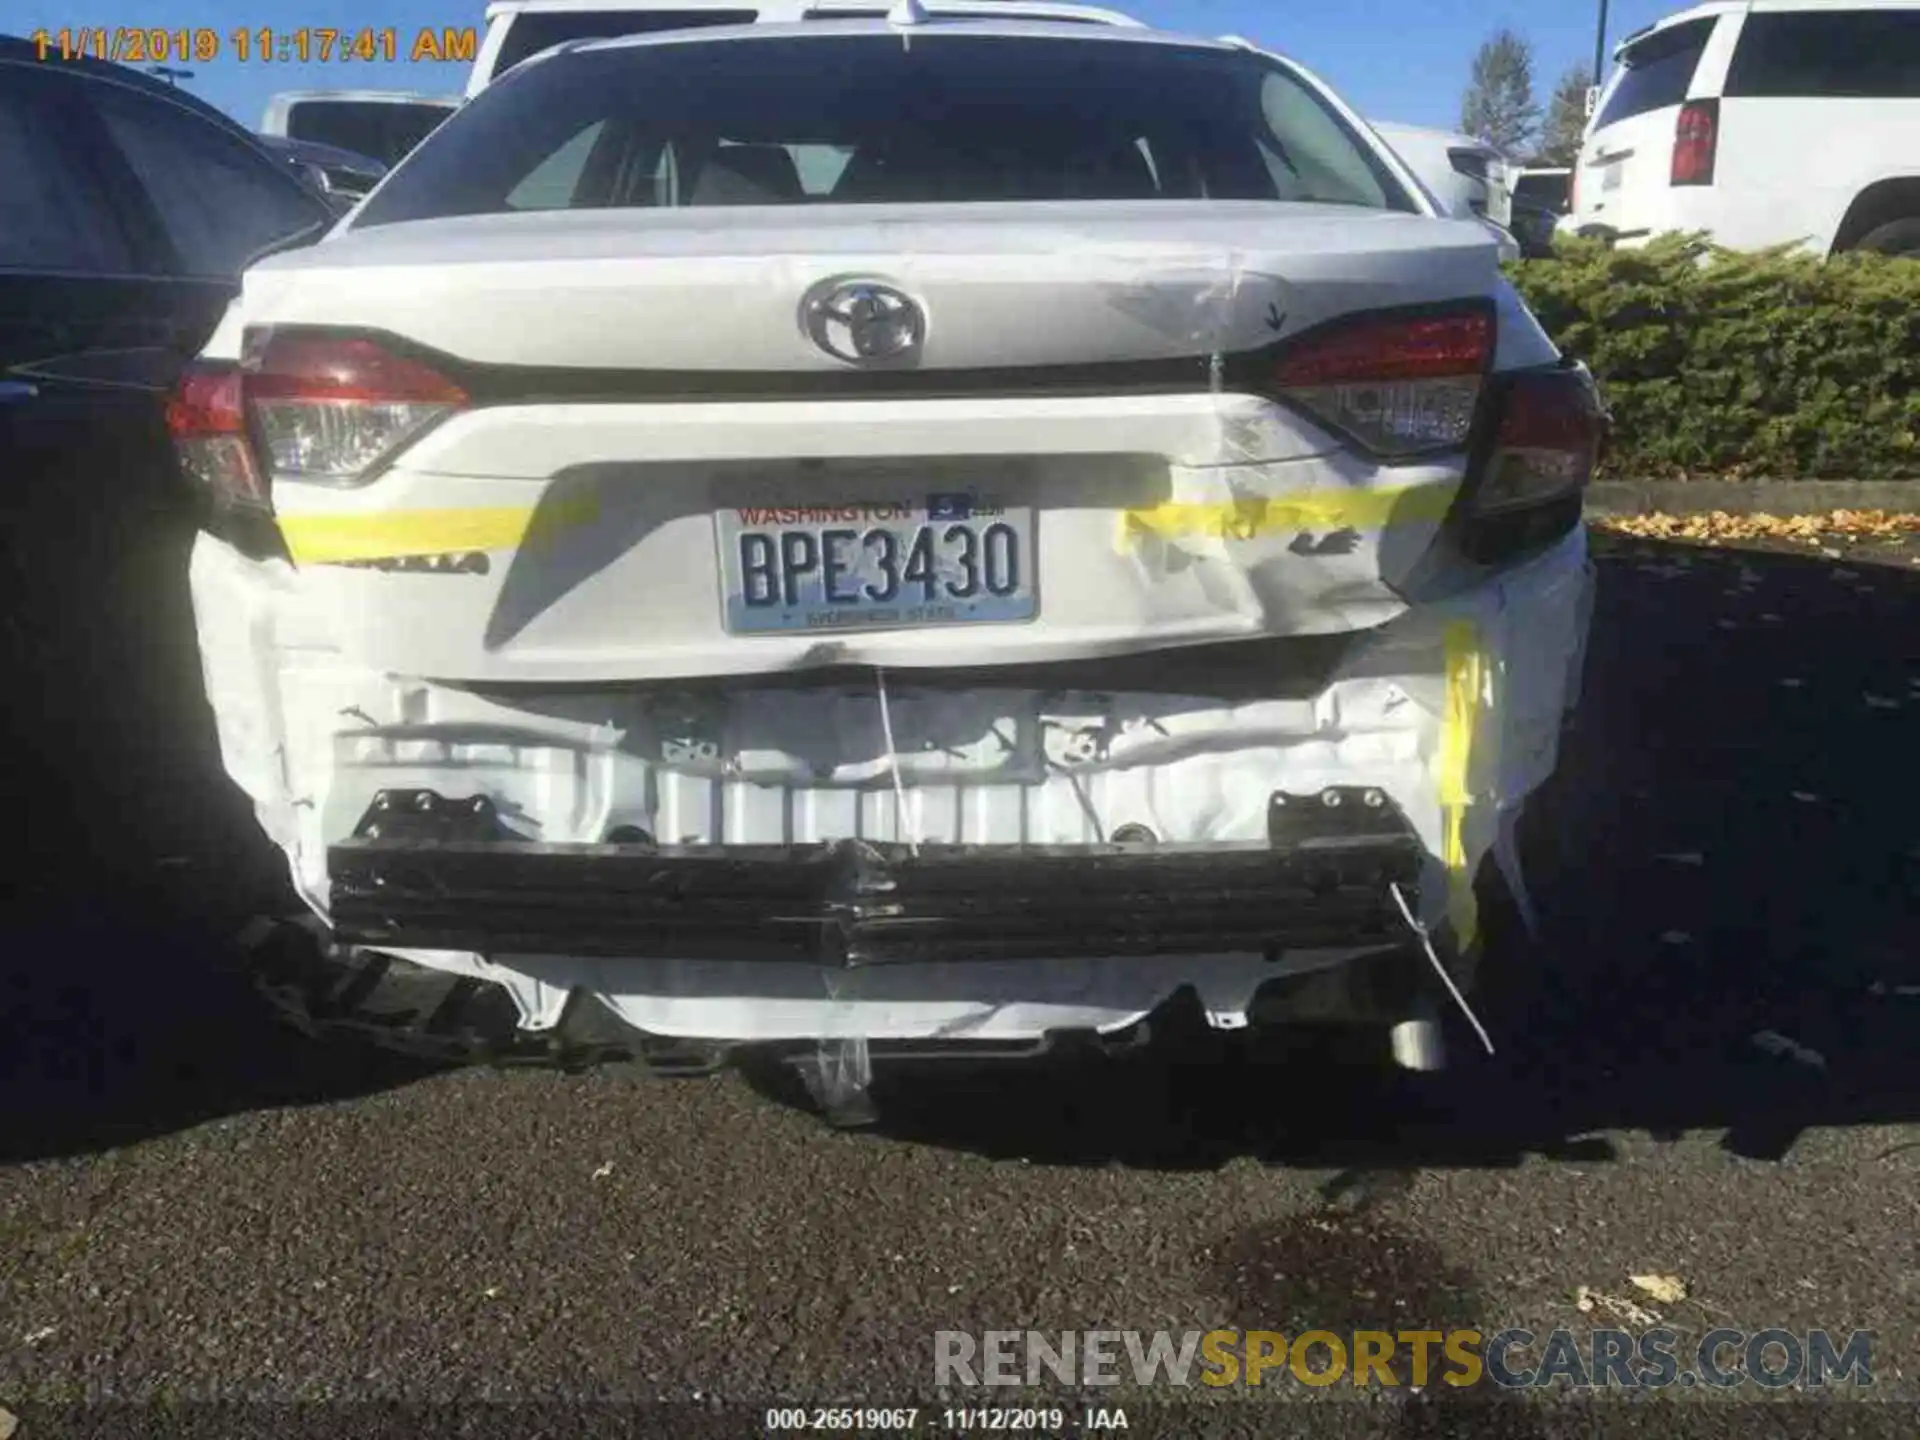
column 1657, row 71
column 381, row 129
column 532, row 31
column 863, row 119
column 1864, row 53
column 1546, row 192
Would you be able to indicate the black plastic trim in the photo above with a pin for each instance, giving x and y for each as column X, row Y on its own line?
column 1321, row 879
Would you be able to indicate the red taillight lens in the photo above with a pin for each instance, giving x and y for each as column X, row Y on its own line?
column 1547, row 443
column 209, row 435
column 334, row 410
column 1696, row 136
column 1400, row 386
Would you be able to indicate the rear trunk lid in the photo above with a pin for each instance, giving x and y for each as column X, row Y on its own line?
column 659, row 466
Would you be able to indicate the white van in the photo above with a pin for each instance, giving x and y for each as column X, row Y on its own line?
column 1764, row 122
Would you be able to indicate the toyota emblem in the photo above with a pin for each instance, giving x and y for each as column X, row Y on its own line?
column 864, row 323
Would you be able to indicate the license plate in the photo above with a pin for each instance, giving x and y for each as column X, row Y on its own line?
column 944, row 558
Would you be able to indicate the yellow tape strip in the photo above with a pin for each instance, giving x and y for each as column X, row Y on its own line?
column 1466, row 671
column 1330, row 509
column 391, row 534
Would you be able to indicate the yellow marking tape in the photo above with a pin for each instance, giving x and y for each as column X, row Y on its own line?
column 1330, row 509
column 1466, row 672
column 392, row 534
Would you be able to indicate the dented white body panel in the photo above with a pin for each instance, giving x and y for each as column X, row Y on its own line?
column 1454, row 711
column 571, row 660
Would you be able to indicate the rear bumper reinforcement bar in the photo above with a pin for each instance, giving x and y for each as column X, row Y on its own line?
column 424, row 871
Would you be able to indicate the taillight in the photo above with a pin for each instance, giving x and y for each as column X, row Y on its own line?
column 1696, row 135
column 1546, row 442
column 1398, row 385
column 208, row 427
column 335, row 409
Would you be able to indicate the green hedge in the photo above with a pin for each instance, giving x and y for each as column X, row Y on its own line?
column 1724, row 365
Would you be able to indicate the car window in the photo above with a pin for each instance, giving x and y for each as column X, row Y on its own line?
column 386, row 130
column 220, row 201
column 1317, row 157
column 818, row 118
column 1548, row 192
column 56, row 214
column 532, row 31
column 1657, row 71
column 1863, row 53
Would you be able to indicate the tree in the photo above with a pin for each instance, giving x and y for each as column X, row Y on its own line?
column 1566, row 118
column 1498, row 106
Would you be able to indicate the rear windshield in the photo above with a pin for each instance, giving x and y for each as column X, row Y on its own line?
column 532, row 31
column 384, row 130
column 867, row 119
column 1873, row 54
column 1658, row 71
column 1544, row 192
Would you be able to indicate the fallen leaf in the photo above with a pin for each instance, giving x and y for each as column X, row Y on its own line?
column 1587, row 1300
column 1667, row 1289
column 9, row 1422
column 603, row 1171
column 492, row 1292
column 1805, row 797
column 1774, row 1043
column 40, row 1336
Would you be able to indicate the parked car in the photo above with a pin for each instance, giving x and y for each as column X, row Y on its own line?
column 1542, row 198
column 1467, row 176
column 340, row 175
column 1084, row 527
column 129, row 209
column 517, row 29
column 381, row 124
column 1764, row 123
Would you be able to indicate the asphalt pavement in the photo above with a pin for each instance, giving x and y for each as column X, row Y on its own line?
column 1708, row 1069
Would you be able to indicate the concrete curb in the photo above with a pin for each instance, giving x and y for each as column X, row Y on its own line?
column 1748, row 497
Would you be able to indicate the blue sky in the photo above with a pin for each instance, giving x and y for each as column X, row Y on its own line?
column 1404, row 60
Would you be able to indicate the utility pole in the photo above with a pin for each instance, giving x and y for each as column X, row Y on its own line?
column 1599, row 59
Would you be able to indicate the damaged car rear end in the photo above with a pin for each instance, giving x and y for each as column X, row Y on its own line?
column 875, row 538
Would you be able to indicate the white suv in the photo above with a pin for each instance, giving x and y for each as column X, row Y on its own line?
column 518, row 29
column 1769, row 122
column 1075, row 532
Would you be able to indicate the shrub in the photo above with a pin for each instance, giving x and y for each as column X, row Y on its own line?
column 1719, row 364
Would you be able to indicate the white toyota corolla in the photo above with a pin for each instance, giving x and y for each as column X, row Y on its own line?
column 889, row 536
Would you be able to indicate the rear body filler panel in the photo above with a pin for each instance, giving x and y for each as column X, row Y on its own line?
column 1450, row 709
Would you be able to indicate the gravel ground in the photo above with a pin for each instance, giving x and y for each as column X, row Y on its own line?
column 195, row 1205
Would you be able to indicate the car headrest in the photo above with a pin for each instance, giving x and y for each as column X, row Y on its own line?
column 748, row 175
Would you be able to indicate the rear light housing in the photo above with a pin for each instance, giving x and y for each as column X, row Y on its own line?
column 335, row 410
column 1398, row 385
column 207, row 422
column 1696, row 139
column 1542, row 445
